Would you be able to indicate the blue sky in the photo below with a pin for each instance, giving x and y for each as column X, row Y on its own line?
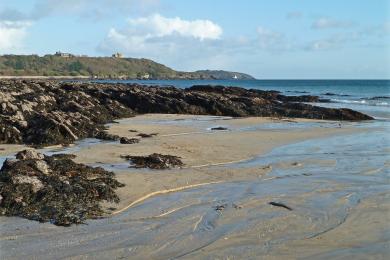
column 279, row 39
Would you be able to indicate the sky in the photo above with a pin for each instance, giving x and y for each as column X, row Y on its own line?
column 278, row 39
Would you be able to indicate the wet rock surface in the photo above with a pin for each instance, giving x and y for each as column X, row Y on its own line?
column 54, row 189
column 143, row 135
column 155, row 161
column 219, row 128
column 106, row 136
column 45, row 112
column 125, row 140
column 281, row 205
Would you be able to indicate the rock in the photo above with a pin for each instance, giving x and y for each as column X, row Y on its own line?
column 125, row 140
column 220, row 128
column 277, row 204
column 46, row 112
column 220, row 207
column 29, row 155
column 42, row 167
column 146, row 135
column 35, row 183
column 54, row 189
column 106, row 136
column 155, row 161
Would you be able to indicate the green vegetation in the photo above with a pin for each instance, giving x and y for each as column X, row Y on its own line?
column 100, row 67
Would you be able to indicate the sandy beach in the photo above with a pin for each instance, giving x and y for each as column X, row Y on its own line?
column 217, row 204
column 199, row 148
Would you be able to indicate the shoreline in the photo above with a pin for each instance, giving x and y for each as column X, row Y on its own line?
column 46, row 77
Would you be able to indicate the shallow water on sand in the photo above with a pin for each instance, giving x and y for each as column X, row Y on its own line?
column 338, row 188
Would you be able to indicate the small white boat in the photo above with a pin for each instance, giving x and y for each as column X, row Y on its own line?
column 235, row 77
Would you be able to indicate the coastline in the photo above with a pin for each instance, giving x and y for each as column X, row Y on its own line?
column 223, row 197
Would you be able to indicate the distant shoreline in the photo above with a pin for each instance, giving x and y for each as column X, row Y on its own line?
column 45, row 77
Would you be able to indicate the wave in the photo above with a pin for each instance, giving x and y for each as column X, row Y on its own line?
column 368, row 102
column 334, row 94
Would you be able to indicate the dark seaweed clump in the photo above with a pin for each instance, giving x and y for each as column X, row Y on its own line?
column 155, row 161
column 54, row 189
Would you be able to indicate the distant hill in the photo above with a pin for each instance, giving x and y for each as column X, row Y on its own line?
column 221, row 74
column 101, row 67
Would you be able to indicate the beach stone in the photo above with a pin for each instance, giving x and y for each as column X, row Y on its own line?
column 106, row 136
column 35, row 183
column 29, row 154
column 125, row 140
column 219, row 128
column 42, row 167
column 143, row 135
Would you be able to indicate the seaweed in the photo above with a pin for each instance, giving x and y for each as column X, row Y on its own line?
column 155, row 161
column 277, row 204
column 54, row 189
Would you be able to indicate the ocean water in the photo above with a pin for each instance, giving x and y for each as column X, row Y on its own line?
column 369, row 96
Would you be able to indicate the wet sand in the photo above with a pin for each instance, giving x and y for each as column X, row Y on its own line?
column 199, row 148
column 217, row 206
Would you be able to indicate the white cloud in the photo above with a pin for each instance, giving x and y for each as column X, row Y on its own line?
column 326, row 23
column 169, row 40
column 159, row 26
column 12, row 35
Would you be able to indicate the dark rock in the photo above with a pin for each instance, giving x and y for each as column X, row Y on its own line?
column 44, row 112
column 106, row 136
column 295, row 91
column 304, row 98
column 377, row 97
column 29, row 154
column 125, row 140
column 220, row 128
column 333, row 94
column 143, row 135
column 220, row 207
column 54, row 189
column 155, row 161
column 277, row 204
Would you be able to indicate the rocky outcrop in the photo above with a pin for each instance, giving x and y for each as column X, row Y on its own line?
column 52, row 112
column 54, row 189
